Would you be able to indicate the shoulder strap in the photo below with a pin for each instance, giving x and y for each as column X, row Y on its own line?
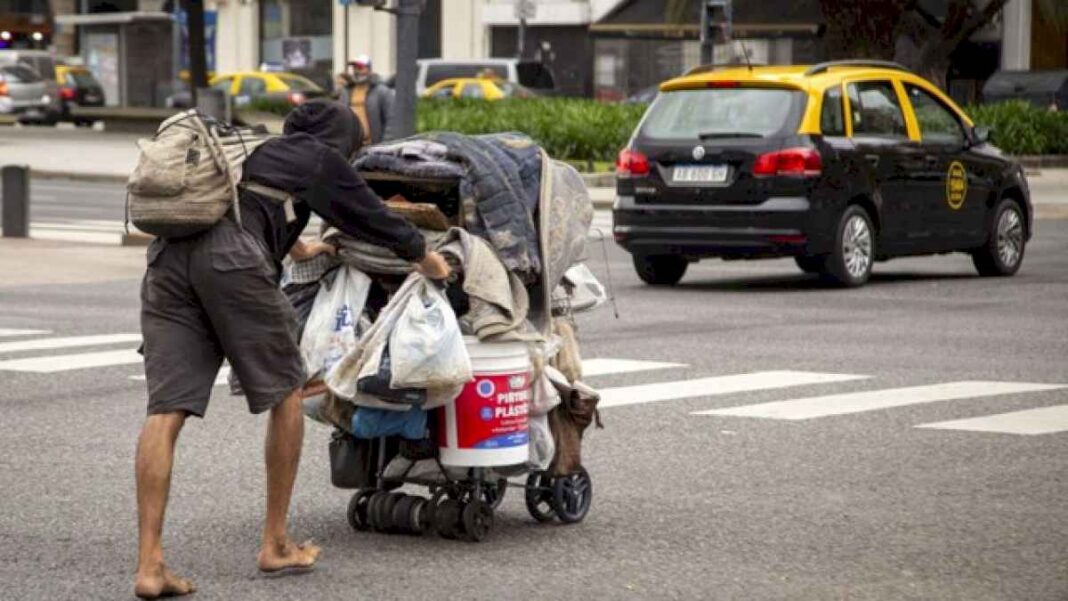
column 280, row 196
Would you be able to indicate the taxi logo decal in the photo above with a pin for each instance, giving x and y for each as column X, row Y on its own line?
column 956, row 185
column 698, row 153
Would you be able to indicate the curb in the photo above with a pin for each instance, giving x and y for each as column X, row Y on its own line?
column 606, row 179
column 109, row 178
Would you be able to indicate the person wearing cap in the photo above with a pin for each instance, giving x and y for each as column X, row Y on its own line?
column 369, row 98
column 215, row 295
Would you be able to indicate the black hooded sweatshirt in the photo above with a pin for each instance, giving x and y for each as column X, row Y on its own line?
column 310, row 162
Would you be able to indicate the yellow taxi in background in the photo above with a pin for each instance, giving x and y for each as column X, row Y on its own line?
column 77, row 87
column 837, row 165
column 247, row 86
column 484, row 88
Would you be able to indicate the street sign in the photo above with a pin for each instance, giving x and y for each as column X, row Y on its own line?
column 525, row 10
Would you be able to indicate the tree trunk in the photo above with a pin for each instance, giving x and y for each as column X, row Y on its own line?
column 861, row 28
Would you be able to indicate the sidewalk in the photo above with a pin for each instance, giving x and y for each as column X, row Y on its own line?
column 30, row 262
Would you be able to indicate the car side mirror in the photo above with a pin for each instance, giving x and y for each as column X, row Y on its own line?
column 981, row 134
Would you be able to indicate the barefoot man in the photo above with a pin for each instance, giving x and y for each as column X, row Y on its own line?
column 215, row 295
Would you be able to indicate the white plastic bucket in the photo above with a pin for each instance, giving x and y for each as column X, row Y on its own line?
column 487, row 425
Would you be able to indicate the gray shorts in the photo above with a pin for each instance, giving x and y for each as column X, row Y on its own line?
column 212, row 296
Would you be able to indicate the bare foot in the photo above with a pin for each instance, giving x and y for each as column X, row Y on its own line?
column 287, row 555
column 161, row 582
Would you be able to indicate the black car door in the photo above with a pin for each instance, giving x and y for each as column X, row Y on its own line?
column 958, row 181
column 881, row 137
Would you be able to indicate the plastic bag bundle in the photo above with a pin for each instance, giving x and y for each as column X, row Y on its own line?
column 542, row 447
column 332, row 329
column 426, row 346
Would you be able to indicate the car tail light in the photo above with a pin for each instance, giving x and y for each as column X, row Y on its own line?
column 803, row 162
column 3, row 87
column 67, row 93
column 295, row 98
column 631, row 163
column 722, row 84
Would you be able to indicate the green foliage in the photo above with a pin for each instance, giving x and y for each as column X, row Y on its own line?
column 581, row 130
column 1020, row 128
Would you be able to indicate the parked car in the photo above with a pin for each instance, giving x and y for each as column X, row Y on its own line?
column 838, row 165
column 44, row 64
column 530, row 74
column 257, row 85
column 77, row 87
column 24, row 93
column 477, row 87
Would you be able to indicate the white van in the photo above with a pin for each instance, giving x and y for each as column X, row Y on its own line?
column 533, row 75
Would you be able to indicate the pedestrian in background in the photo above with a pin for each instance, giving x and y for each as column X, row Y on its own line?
column 368, row 97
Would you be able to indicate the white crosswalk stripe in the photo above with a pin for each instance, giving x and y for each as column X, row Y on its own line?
column 603, row 367
column 57, row 363
column 41, row 344
column 718, row 385
column 12, row 332
column 1043, row 420
column 871, row 400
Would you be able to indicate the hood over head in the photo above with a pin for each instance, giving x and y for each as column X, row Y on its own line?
column 331, row 122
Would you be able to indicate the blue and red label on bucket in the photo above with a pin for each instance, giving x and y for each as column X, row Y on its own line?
column 492, row 411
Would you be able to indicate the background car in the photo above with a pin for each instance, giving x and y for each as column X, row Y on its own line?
column 838, row 165
column 24, row 93
column 44, row 64
column 530, row 74
column 77, row 87
column 251, row 86
column 477, row 87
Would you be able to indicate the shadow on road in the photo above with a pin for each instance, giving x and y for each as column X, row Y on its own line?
column 801, row 282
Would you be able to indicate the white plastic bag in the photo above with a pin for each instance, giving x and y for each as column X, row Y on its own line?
column 542, row 447
column 586, row 292
column 426, row 347
column 546, row 396
column 333, row 329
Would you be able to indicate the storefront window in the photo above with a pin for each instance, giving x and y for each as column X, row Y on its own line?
column 296, row 36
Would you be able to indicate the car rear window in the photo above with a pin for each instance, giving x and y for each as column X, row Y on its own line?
column 82, row 79
column 297, row 83
column 20, row 74
column 436, row 73
column 723, row 112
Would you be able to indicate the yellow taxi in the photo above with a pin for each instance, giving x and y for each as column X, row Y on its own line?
column 77, row 87
column 247, row 86
column 838, row 165
column 484, row 88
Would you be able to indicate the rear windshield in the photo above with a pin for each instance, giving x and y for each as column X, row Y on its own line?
column 19, row 74
column 436, row 73
column 82, row 79
column 297, row 83
column 723, row 113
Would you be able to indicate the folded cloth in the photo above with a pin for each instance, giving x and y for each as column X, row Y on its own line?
column 411, row 148
column 372, row 258
column 311, row 270
column 498, row 301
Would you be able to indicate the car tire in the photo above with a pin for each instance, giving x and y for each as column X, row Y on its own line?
column 660, row 270
column 1003, row 252
column 809, row 264
column 850, row 263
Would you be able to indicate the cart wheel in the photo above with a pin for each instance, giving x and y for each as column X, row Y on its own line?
column 385, row 509
column 572, row 495
column 478, row 520
column 419, row 516
column 357, row 512
column 447, row 519
column 493, row 494
column 401, row 516
column 539, row 496
column 372, row 510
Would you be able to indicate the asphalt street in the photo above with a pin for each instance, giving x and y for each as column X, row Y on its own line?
column 832, row 492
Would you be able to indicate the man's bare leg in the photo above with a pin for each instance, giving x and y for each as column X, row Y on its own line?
column 155, row 458
column 285, row 436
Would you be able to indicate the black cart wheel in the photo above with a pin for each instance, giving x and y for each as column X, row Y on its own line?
column 357, row 512
column 572, row 495
column 660, row 270
column 401, row 516
column 539, row 496
column 448, row 519
column 372, row 509
column 478, row 520
column 419, row 516
column 493, row 494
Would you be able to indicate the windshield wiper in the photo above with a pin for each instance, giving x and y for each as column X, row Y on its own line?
column 728, row 134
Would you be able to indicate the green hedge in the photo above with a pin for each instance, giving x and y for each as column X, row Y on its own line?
column 1021, row 128
column 568, row 128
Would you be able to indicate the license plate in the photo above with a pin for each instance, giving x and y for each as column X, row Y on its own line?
column 91, row 98
column 699, row 174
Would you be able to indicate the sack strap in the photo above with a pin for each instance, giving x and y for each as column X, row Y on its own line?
column 280, row 196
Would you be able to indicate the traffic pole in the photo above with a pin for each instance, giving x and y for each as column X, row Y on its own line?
column 16, row 201
column 407, row 51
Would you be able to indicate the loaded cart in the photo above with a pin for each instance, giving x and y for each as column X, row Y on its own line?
column 467, row 387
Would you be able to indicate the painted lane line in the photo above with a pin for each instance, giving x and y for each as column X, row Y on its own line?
column 1043, row 420
column 57, row 363
column 872, row 400
column 10, row 332
column 602, row 367
column 41, row 344
column 717, row 385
